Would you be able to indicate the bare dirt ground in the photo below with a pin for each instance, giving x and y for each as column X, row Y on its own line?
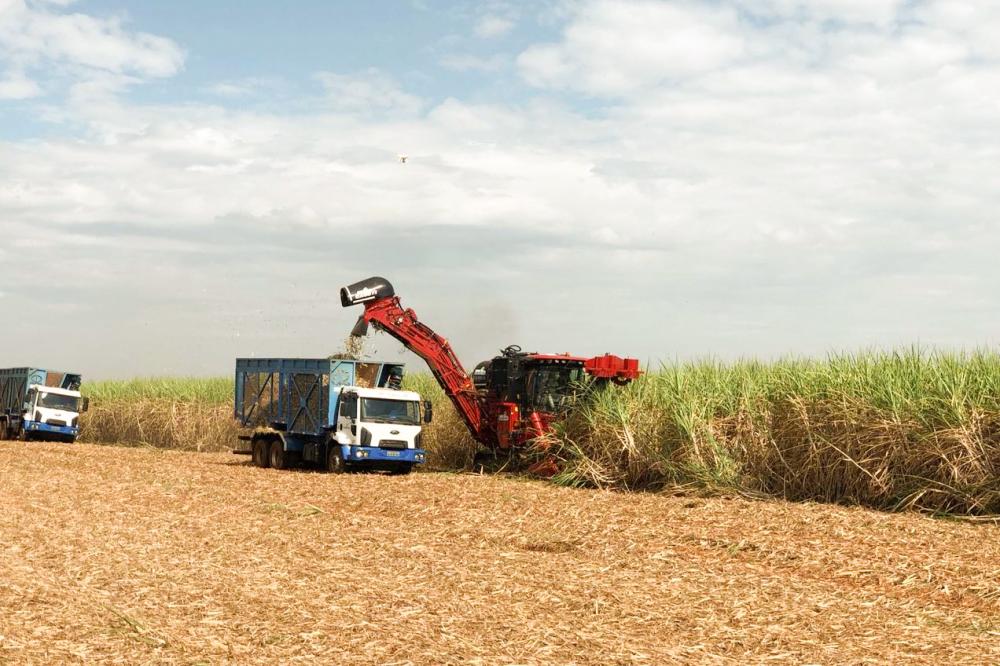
column 145, row 556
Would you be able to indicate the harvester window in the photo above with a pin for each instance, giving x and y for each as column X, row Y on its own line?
column 553, row 388
column 479, row 376
column 497, row 373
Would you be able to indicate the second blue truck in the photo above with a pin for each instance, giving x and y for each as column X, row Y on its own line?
column 40, row 404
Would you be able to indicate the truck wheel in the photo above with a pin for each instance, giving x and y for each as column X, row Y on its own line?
column 335, row 459
column 278, row 458
column 261, row 453
column 401, row 469
column 3, row 431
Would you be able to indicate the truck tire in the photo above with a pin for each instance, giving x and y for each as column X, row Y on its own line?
column 278, row 458
column 260, row 452
column 335, row 459
column 3, row 430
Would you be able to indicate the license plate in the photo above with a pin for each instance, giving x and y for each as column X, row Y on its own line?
column 392, row 454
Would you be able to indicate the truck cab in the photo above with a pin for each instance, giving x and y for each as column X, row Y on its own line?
column 378, row 428
column 52, row 413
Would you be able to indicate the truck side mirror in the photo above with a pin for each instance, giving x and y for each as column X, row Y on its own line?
column 84, row 405
column 428, row 411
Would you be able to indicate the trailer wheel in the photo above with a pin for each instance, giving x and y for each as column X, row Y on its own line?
column 260, row 451
column 278, row 458
column 335, row 458
column 3, row 431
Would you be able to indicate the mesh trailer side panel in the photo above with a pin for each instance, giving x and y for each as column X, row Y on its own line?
column 309, row 395
column 260, row 398
column 13, row 385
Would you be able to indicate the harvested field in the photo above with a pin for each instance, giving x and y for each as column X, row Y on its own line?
column 154, row 556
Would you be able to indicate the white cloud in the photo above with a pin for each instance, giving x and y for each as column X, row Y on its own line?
column 493, row 26
column 39, row 34
column 975, row 22
column 877, row 12
column 471, row 63
column 16, row 85
column 612, row 47
column 370, row 90
column 246, row 87
column 230, row 89
column 628, row 48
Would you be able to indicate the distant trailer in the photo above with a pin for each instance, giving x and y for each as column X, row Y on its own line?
column 337, row 414
column 40, row 404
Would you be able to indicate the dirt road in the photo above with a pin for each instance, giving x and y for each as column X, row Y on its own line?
column 145, row 556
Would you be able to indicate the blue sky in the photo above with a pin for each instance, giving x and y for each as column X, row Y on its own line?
column 189, row 182
column 234, row 41
column 272, row 51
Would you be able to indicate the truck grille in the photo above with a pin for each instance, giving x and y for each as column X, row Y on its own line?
column 56, row 422
column 396, row 444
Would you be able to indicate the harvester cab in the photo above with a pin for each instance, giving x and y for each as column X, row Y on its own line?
column 532, row 381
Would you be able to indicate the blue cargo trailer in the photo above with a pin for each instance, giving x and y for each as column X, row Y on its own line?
column 40, row 404
column 334, row 413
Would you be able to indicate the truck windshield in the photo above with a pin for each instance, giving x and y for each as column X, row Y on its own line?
column 65, row 403
column 380, row 410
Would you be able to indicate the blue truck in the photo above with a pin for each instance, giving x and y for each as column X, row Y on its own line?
column 40, row 404
column 337, row 414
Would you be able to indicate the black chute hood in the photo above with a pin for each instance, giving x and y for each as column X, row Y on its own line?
column 372, row 289
column 360, row 329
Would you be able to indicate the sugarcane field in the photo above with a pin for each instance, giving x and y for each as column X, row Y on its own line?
column 500, row 333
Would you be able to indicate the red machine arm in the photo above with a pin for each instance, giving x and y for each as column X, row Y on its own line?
column 385, row 312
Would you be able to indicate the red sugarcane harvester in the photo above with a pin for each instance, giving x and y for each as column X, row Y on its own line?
column 509, row 400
